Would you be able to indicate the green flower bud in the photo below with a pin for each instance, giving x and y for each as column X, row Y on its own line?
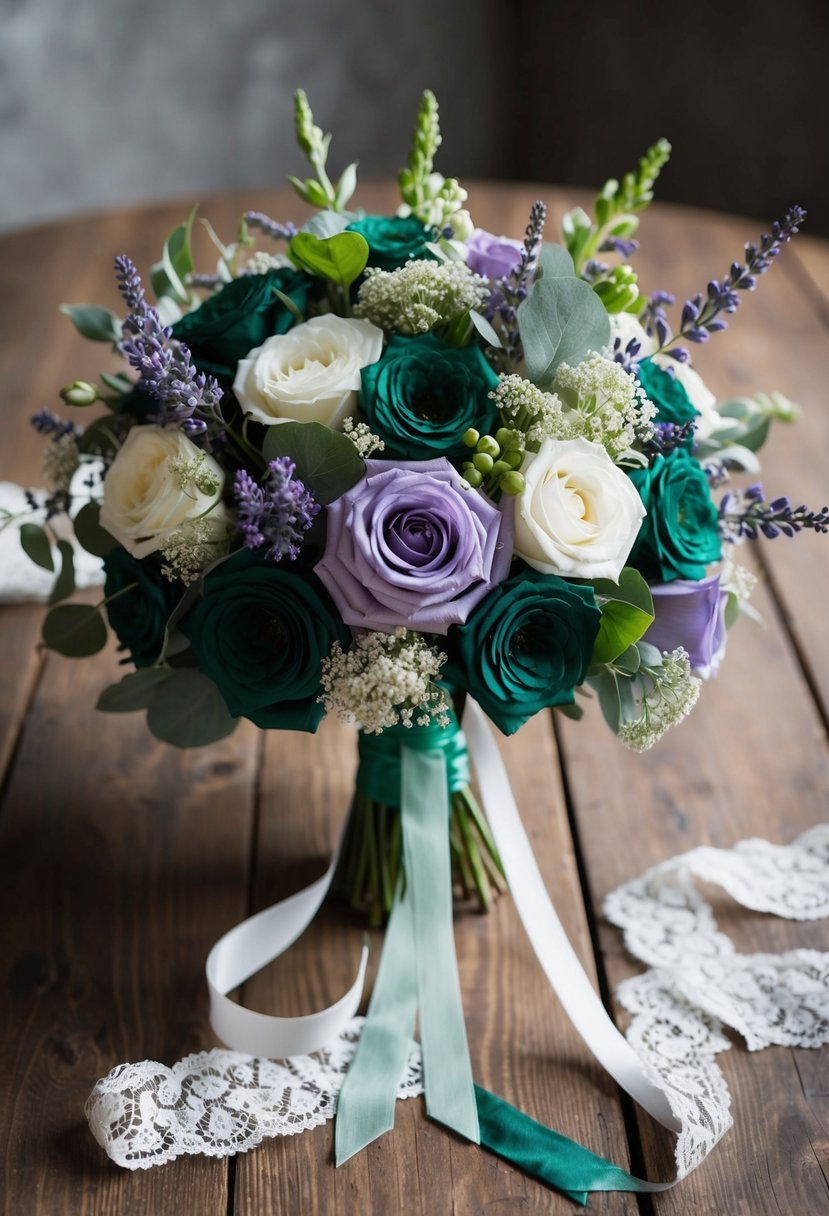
column 500, row 467
column 488, row 446
column 483, row 462
column 471, row 437
column 512, row 482
column 473, row 477
column 79, row 392
column 513, row 458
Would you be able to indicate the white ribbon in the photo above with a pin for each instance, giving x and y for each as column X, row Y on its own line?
column 255, row 942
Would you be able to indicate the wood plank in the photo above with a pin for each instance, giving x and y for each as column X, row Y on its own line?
column 752, row 760
column 122, row 861
column 522, row 1045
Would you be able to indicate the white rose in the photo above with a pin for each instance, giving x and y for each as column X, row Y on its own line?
column 310, row 374
column 145, row 500
column 699, row 394
column 578, row 514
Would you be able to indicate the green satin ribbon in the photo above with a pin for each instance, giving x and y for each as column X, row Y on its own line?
column 379, row 776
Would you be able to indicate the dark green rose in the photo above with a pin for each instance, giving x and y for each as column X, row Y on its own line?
column 679, row 535
column 667, row 393
column 260, row 632
column 393, row 241
column 422, row 395
column 525, row 647
column 139, row 616
column 235, row 320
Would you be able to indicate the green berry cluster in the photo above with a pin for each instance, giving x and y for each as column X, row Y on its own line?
column 495, row 461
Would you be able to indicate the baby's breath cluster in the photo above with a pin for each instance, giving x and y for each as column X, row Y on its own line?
column 262, row 262
column 672, row 694
column 385, row 679
column 193, row 471
column 420, row 296
column 363, row 438
column 194, row 545
column 598, row 401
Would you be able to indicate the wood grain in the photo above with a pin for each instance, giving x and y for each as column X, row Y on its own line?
column 122, row 861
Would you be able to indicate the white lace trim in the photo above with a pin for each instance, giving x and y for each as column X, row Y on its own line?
column 221, row 1102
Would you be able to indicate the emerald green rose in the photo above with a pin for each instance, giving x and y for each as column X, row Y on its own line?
column 392, row 240
column 260, row 632
column 240, row 317
column 422, row 395
column 679, row 535
column 138, row 617
column 667, row 393
column 525, row 647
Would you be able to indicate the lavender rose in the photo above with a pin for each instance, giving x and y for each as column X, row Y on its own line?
column 409, row 545
column 692, row 615
column 493, row 257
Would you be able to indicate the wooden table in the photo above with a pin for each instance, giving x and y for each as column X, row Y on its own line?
column 122, row 860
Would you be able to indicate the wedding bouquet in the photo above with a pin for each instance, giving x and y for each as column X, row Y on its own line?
column 374, row 464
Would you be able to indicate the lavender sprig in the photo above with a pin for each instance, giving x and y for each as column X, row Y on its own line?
column 273, row 229
column 273, row 516
column 654, row 317
column 165, row 367
column 667, row 436
column 46, row 422
column 510, row 291
column 702, row 315
column 745, row 513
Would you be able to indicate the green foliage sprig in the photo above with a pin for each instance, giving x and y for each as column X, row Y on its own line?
column 319, row 191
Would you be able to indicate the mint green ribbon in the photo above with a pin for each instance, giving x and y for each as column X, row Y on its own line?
column 379, row 776
column 418, row 969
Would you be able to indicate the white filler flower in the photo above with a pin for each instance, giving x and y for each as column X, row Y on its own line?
column 578, row 514
column 310, row 374
column 159, row 481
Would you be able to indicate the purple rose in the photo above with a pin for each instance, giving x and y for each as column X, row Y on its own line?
column 494, row 257
column 692, row 615
column 408, row 545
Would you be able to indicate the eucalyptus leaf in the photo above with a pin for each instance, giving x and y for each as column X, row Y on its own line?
column 629, row 661
column 651, row 656
column 340, row 259
column 89, row 533
column 119, row 384
column 135, row 691
column 607, row 690
column 93, row 322
column 326, row 461
column 326, row 223
column 346, row 186
column 35, row 544
column 191, row 712
column 561, row 320
column 485, row 329
column 74, row 630
column 65, row 582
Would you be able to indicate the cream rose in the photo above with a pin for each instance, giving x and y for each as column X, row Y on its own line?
column 578, row 514
column 158, row 481
column 310, row 374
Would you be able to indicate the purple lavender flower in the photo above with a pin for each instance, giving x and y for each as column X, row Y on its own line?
column 165, row 367
column 274, row 515
column 508, row 292
column 46, row 422
column 702, row 315
column 745, row 513
column 271, row 228
column 654, row 317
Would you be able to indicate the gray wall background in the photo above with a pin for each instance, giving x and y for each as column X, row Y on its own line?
column 106, row 102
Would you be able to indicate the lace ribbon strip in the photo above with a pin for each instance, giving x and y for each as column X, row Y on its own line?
column 221, row 1102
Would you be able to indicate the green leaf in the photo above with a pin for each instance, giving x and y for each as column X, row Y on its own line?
column 89, row 533
column 192, row 711
column 341, row 259
column 627, row 611
column 135, row 691
column 485, row 329
column 649, row 655
column 289, row 304
column 74, row 630
column 561, row 320
column 607, row 690
column 326, row 461
column 346, row 186
column 119, row 384
column 168, row 276
column 35, row 544
column 96, row 323
column 575, row 712
column 629, row 661
column 65, row 582
column 326, row 223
